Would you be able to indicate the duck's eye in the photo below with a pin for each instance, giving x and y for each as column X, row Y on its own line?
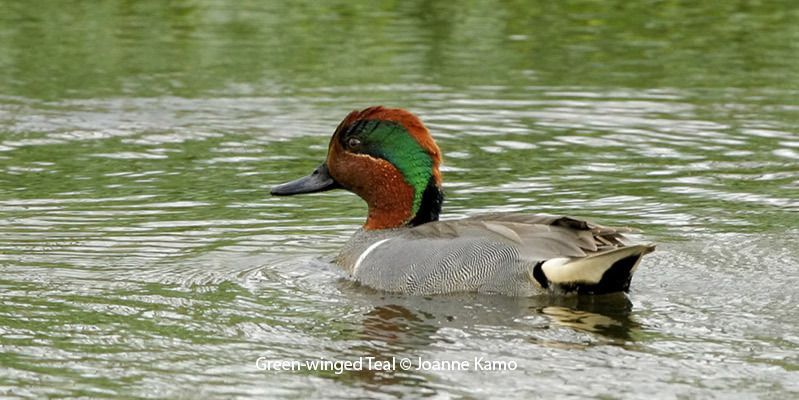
column 353, row 143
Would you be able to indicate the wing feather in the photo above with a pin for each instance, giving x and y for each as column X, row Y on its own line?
column 537, row 236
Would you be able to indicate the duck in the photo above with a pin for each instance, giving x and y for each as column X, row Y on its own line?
column 388, row 158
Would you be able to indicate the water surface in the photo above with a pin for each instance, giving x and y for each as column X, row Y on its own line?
column 141, row 255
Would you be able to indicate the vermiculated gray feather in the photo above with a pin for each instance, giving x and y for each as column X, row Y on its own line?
column 492, row 253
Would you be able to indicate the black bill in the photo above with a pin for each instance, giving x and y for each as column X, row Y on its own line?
column 318, row 181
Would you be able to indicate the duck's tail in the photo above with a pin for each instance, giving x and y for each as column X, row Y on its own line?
column 606, row 272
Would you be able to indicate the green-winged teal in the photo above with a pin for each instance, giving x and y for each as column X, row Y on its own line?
column 388, row 158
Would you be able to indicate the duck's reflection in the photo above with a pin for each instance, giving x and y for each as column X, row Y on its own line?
column 607, row 316
column 394, row 323
column 405, row 326
column 414, row 321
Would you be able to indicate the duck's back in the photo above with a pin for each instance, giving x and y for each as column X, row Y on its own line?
column 512, row 254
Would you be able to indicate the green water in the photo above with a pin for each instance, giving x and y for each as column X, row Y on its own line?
column 142, row 257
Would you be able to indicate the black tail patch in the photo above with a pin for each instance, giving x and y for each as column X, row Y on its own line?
column 538, row 274
column 616, row 279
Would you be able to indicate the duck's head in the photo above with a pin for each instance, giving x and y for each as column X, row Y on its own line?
column 388, row 158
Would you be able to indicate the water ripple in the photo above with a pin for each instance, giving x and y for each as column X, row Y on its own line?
column 151, row 243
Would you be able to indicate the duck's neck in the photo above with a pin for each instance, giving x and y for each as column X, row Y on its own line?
column 430, row 206
column 394, row 208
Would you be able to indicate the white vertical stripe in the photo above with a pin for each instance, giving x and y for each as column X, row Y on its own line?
column 366, row 253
